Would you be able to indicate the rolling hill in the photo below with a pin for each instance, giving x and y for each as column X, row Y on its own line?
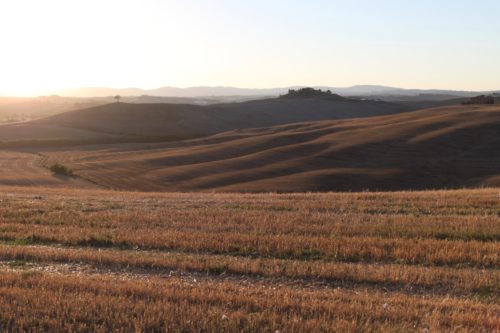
column 135, row 122
column 196, row 120
column 144, row 120
column 447, row 147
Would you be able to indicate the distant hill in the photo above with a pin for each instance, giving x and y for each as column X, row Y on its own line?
column 448, row 147
column 16, row 109
column 170, row 92
column 150, row 121
column 358, row 90
column 196, row 120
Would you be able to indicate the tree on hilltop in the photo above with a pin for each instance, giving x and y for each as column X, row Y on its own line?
column 308, row 92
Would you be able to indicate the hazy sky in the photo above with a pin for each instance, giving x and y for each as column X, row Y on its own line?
column 50, row 44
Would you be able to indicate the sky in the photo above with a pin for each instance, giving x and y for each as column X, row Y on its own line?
column 62, row 44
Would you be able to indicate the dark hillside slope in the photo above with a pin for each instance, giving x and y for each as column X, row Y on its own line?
column 195, row 120
column 449, row 147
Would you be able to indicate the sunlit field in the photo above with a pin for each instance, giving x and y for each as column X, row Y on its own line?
column 103, row 261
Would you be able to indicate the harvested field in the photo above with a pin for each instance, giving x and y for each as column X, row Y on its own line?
column 93, row 260
column 24, row 168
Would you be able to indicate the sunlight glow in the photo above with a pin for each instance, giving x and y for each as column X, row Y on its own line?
column 56, row 44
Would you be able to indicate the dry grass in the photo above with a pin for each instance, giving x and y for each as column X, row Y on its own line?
column 449, row 147
column 19, row 168
column 88, row 260
column 100, row 303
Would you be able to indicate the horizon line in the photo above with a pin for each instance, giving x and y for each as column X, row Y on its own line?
column 57, row 92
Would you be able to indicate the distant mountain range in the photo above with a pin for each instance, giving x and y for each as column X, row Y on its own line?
column 358, row 90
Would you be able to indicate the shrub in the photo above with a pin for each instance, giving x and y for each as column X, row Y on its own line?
column 61, row 170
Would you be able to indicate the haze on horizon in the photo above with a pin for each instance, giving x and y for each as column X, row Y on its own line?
column 56, row 44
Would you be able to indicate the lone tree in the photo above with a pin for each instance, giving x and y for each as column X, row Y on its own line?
column 117, row 97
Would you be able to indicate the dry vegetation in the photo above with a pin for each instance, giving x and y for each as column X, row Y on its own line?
column 449, row 147
column 20, row 168
column 88, row 260
column 60, row 121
